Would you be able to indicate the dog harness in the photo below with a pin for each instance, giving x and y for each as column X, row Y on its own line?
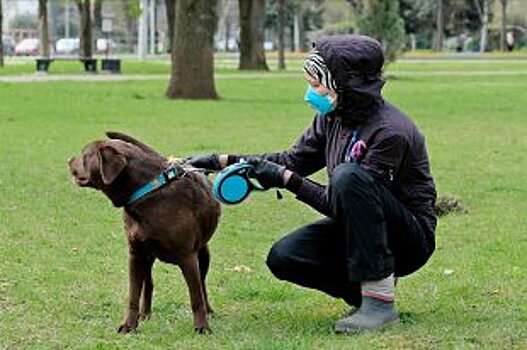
column 159, row 181
column 233, row 184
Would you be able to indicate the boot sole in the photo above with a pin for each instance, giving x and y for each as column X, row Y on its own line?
column 350, row 330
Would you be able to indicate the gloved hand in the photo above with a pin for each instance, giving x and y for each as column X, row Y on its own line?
column 267, row 173
column 205, row 161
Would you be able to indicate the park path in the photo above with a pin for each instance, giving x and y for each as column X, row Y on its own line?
column 36, row 77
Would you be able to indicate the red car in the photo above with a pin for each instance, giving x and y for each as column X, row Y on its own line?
column 27, row 47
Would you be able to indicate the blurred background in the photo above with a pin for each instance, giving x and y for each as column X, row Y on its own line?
column 142, row 26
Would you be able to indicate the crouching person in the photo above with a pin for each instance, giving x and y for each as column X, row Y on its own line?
column 379, row 203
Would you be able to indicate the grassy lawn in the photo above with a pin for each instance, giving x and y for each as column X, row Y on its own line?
column 63, row 275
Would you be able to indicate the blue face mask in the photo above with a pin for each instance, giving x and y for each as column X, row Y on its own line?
column 323, row 104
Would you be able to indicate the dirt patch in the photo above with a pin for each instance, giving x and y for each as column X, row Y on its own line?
column 448, row 204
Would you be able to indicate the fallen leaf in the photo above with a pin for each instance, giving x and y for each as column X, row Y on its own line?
column 241, row 268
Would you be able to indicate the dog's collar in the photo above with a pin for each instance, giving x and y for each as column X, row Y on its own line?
column 159, row 181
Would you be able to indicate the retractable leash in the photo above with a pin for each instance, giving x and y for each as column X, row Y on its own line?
column 233, row 184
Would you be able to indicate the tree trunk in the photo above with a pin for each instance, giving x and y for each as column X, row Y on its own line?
column 2, row 45
column 43, row 28
column 252, row 34
column 484, row 26
column 132, row 12
column 227, row 35
column 281, row 34
column 97, row 18
column 192, row 72
column 503, row 30
column 483, row 12
column 170, row 6
column 296, row 32
column 85, row 28
column 440, row 24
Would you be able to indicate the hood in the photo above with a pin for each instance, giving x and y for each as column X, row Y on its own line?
column 355, row 62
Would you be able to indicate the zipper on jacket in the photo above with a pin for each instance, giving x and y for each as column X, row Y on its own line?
column 346, row 156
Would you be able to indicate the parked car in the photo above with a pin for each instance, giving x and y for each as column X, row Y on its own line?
column 105, row 45
column 67, row 46
column 230, row 45
column 9, row 45
column 27, row 47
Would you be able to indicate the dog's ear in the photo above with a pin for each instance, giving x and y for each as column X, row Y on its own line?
column 111, row 163
column 127, row 138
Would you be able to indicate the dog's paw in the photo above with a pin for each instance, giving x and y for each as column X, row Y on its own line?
column 203, row 330
column 145, row 315
column 129, row 324
column 124, row 329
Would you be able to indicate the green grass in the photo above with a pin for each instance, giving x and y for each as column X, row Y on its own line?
column 63, row 276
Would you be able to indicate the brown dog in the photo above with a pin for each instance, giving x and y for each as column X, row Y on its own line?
column 172, row 223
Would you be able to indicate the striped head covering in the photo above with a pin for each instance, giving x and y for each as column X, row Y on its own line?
column 316, row 68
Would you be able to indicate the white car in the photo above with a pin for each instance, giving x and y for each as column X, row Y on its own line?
column 67, row 46
column 231, row 45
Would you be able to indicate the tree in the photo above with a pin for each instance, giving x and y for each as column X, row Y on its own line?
column 1, row 40
column 227, row 25
column 85, row 28
column 131, row 11
column 432, row 20
column 281, row 33
column 503, row 25
column 303, row 18
column 23, row 21
column 483, row 7
column 43, row 29
column 170, row 7
column 252, row 35
column 97, row 18
column 192, row 72
column 357, row 5
column 381, row 20
column 440, row 26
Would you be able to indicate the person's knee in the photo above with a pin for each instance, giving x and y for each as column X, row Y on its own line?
column 276, row 261
column 348, row 176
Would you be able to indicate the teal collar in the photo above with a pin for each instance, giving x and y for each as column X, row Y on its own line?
column 159, row 181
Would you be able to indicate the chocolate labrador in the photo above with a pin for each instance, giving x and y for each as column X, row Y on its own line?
column 169, row 214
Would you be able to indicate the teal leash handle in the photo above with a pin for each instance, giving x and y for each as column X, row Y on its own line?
column 235, row 182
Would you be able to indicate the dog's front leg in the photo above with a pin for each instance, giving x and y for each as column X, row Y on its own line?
column 148, row 287
column 137, row 272
column 189, row 267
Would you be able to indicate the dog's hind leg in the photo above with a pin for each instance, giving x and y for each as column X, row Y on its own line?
column 204, row 261
column 190, row 268
column 148, row 286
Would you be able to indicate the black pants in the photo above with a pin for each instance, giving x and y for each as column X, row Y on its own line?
column 372, row 236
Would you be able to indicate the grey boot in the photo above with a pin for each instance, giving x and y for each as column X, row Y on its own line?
column 372, row 314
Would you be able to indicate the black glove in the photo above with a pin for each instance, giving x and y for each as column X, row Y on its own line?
column 267, row 173
column 205, row 161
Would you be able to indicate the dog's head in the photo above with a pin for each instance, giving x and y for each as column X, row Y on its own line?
column 99, row 164
column 116, row 165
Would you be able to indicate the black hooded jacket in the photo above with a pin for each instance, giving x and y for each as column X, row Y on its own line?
column 384, row 141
